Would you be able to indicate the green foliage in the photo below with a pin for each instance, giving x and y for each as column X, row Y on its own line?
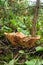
column 13, row 22
column 21, row 51
column 39, row 48
column 10, row 63
column 34, row 62
column 18, row 14
column 4, row 29
column 21, row 27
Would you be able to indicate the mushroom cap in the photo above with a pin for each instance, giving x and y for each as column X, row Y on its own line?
column 19, row 38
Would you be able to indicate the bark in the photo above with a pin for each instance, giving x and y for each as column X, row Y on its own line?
column 35, row 18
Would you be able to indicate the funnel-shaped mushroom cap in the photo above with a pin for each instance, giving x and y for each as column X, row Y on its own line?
column 19, row 38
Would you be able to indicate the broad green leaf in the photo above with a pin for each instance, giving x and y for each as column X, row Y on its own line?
column 21, row 51
column 42, row 61
column 38, row 62
column 39, row 48
column 11, row 62
column 31, row 62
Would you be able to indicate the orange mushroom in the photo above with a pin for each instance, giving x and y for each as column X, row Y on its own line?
column 19, row 38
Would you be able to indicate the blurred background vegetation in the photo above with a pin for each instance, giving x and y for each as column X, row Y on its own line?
column 17, row 16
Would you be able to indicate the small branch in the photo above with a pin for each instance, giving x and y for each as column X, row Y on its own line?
column 35, row 18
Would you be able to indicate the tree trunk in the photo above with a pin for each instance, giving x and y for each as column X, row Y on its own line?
column 35, row 18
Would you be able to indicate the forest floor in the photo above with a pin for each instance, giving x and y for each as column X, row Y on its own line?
column 8, row 52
